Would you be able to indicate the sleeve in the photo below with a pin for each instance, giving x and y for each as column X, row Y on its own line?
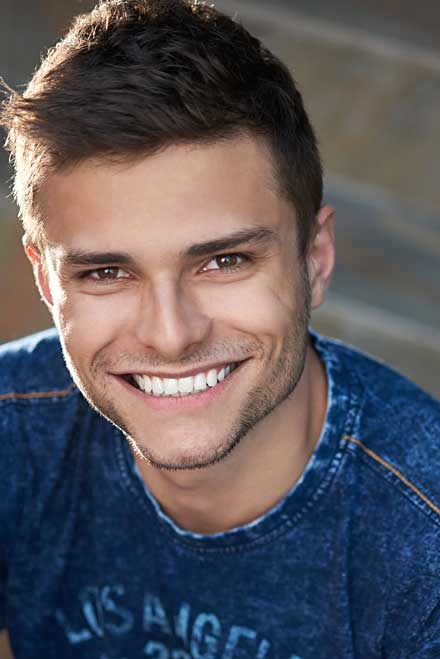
column 14, row 482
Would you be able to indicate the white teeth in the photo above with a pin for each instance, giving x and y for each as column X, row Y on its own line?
column 200, row 382
column 171, row 386
column 182, row 386
column 139, row 379
column 157, row 386
column 211, row 378
column 186, row 385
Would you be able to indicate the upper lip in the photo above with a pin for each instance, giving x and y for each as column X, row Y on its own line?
column 183, row 374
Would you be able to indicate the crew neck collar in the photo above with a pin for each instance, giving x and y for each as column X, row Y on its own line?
column 301, row 498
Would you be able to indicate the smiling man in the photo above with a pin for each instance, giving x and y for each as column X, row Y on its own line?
column 198, row 305
column 188, row 471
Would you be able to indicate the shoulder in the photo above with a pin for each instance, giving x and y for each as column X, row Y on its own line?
column 32, row 368
column 37, row 394
column 396, row 432
column 389, row 457
column 38, row 411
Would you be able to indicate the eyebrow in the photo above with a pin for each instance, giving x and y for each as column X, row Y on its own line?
column 76, row 257
column 255, row 235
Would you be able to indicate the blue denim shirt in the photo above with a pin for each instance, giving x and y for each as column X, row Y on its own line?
column 345, row 566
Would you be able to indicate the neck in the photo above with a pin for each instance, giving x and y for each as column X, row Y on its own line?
column 257, row 474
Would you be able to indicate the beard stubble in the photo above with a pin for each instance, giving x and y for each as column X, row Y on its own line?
column 260, row 401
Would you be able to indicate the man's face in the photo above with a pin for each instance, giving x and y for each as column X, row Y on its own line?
column 167, row 274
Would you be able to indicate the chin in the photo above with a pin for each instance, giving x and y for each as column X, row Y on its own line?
column 179, row 457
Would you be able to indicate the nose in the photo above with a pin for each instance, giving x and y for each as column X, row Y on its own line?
column 171, row 321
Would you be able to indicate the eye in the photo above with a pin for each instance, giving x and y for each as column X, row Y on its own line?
column 226, row 262
column 106, row 274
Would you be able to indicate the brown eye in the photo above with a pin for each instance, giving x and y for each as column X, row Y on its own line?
column 108, row 273
column 228, row 260
column 225, row 262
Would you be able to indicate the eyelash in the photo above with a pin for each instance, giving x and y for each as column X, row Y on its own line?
column 87, row 274
column 246, row 258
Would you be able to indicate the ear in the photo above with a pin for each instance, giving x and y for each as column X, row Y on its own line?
column 321, row 255
column 40, row 271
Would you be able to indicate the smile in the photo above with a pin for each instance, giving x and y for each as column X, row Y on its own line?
column 179, row 387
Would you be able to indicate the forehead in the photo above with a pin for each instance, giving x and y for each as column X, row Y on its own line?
column 181, row 195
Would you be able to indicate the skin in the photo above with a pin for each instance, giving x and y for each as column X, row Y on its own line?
column 5, row 648
column 163, row 308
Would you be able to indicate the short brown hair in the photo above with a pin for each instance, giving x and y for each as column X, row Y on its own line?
column 134, row 76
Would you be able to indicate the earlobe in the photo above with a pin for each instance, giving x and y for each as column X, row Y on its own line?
column 40, row 272
column 321, row 255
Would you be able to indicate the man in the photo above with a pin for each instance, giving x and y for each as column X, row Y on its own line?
column 187, row 470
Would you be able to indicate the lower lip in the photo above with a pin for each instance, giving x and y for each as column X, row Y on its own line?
column 181, row 403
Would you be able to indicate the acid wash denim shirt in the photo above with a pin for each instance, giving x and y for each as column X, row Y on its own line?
column 346, row 566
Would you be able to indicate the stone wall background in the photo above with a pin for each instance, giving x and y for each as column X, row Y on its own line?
column 370, row 74
column 27, row 29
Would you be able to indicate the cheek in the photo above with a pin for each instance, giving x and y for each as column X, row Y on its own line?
column 89, row 323
column 255, row 306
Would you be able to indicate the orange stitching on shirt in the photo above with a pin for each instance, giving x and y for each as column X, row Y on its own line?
column 397, row 473
column 38, row 394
